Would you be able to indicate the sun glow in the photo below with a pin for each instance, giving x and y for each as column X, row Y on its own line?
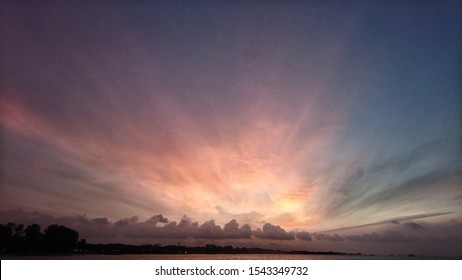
column 289, row 204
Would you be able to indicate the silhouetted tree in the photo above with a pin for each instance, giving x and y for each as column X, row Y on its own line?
column 33, row 239
column 60, row 239
column 6, row 234
column 11, row 238
column 82, row 244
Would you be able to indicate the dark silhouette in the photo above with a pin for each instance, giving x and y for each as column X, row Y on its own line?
column 33, row 239
column 82, row 244
column 56, row 239
column 120, row 249
column 60, row 239
column 11, row 237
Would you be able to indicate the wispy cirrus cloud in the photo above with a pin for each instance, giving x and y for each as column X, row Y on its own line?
column 395, row 220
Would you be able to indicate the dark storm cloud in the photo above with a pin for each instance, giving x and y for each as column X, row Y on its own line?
column 275, row 232
column 157, row 219
column 232, row 230
column 327, row 237
column 209, row 230
column 303, row 235
column 101, row 221
column 127, row 221
column 452, row 239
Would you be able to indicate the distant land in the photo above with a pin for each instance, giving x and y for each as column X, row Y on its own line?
column 178, row 249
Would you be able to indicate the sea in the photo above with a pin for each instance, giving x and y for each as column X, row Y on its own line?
column 221, row 257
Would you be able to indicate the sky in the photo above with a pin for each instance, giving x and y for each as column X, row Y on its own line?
column 327, row 125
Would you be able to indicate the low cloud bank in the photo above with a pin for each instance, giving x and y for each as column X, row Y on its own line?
column 160, row 227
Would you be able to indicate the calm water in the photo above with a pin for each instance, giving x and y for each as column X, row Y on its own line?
column 214, row 257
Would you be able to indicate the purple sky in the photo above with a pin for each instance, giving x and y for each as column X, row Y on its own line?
column 288, row 124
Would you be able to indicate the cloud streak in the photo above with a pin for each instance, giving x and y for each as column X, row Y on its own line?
column 396, row 220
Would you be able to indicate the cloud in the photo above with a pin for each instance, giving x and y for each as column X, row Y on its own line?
column 231, row 230
column 396, row 220
column 84, row 134
column 303, row 235
column 126, row 221
column 270, row 231
column 186, row 228
column 157, row 219
column 100, row 221
column 406, row 178
column 388, row 236
column 209, row 230
column 413, row 188
column 327, row 237
column 158, row 228
column 414, row 226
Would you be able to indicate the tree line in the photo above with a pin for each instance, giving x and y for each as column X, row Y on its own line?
column 55, row 239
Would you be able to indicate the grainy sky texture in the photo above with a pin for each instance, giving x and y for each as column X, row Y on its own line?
column 334, row 122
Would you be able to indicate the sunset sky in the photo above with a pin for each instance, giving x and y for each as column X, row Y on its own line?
column 333, row 125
